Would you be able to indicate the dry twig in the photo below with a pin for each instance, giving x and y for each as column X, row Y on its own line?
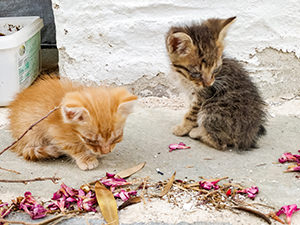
column 25, row 223
column 53, row 179
column 143, row 190
column 275, row 217
column 254, row 212
column 9, row 170
column 34, row 124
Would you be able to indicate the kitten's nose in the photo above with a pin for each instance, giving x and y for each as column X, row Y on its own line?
column 208, row 80
column 105, row 149
column 209, row 83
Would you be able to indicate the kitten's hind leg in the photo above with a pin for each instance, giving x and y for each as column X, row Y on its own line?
column 189, row 121
column 41, row 152
column 202, row 134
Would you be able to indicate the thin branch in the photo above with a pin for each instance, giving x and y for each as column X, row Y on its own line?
column 15, row 222
column 9, row 170
column 50, row 220
column 37, row 122
column 254, row 212
column 7, row 211
column 53, row 179
column 25, row 223
column 57, row 219
column 144, row 188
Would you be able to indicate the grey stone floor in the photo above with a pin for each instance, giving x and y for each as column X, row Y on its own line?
column 147, row 136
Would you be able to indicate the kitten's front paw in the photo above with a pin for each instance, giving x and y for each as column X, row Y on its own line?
column 87, row 163
column 181, row 130
column 195, row 133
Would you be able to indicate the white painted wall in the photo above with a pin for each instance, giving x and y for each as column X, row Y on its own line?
column 119, row 41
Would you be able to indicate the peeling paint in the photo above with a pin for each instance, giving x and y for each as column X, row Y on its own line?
column 277, row 73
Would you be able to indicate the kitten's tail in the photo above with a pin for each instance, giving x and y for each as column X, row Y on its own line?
column 262, row 131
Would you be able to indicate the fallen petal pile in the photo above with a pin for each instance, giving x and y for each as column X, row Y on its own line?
column 205, row 193
column 64, row 198
column 31, row 207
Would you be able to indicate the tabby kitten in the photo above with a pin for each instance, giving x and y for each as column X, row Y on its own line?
column 226, row 110
column 89, row 122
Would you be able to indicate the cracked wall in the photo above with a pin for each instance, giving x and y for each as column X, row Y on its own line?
column 122, row 42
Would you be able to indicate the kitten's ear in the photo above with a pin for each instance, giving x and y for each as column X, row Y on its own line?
column 225, row 24
column 179, row 43
column 74, row 114
column 127, row 105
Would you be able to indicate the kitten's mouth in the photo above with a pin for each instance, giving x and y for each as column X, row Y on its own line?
column 204, row 84
column 106, row 151
column 98, row 150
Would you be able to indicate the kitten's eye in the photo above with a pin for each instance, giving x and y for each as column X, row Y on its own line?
column 117, row 139
column 216, row 70
column 89, row 141
column 196, row 75
column 204, row 61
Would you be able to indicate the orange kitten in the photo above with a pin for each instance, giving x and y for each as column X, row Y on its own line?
column 89, row 123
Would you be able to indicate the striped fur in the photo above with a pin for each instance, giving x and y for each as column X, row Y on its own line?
column 226, row 109
column 89, row 123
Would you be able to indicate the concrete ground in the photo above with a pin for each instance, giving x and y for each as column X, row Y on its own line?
column 147, row 136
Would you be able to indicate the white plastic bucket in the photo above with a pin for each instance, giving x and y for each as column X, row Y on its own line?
column 20, row 49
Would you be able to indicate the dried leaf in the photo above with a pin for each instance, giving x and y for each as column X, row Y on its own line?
column 128, row 172
column 129, row 202
column 107, row 204
column 168, row 186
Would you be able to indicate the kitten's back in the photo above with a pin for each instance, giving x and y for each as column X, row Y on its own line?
column 36, row 101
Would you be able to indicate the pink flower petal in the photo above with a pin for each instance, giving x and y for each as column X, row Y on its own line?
column 110, row 175
column 181, row 145
column 124, row 195
column 208, row 185
column 229, row 192
column 293, row 168
column 111, row 181
column 289, row 157
column 252, row 191
column 288, row 210
column 87, row 201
